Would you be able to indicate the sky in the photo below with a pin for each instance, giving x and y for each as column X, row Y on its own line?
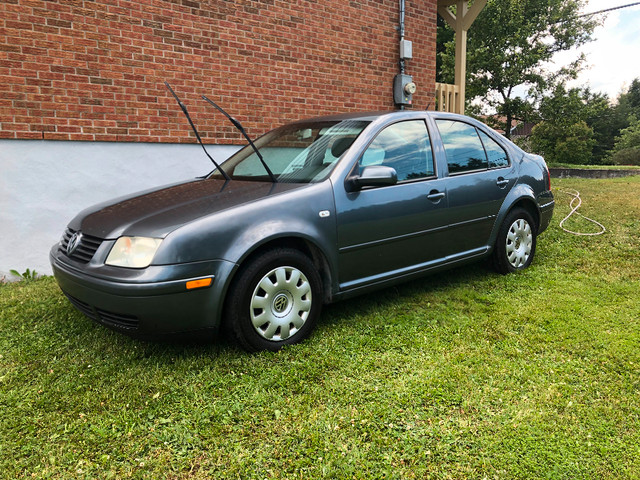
column 613, row 58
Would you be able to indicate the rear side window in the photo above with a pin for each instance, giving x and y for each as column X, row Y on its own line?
column 495, row 153
column 468, row 149
column 462, row 145
column 405, row 146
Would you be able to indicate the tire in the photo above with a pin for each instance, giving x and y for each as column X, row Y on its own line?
column 516, row 242
column 274, row 300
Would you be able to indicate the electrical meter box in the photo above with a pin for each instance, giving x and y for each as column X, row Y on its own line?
column 406, row 49
column 403, row 89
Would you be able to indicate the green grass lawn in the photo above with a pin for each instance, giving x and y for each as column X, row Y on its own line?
column 465, row 374
column 595, row 167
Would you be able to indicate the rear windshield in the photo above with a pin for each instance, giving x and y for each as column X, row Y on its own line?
column 296, row 153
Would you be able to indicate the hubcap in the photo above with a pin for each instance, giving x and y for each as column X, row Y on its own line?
column 519, row 243
column 281, row 303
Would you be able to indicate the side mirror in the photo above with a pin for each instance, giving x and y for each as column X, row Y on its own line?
column 372, row 176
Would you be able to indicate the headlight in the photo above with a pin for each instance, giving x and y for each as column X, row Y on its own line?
column 133, row 252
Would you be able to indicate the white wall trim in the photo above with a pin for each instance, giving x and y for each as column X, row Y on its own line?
column 45, row 183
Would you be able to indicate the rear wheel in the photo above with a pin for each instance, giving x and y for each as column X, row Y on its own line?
column 274, row 301
column 516, row 243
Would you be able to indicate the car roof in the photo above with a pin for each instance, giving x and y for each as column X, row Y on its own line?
column 370, row 116
column 383, row 116
column 375, row 115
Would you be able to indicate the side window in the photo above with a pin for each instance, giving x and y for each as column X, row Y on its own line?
column 462, row 146
column 405, row 146
column 496, row 154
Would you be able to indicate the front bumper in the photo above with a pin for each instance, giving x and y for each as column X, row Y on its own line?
column 159, row 306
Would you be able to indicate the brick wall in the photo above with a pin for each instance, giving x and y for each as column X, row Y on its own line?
column 94, row 70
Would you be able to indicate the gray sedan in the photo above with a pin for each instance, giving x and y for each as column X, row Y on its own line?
column 323, row 210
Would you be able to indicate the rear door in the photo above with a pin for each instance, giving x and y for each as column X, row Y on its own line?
column 480, row 176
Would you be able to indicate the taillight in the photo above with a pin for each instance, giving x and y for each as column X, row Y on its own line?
column 546, row 172
column 548, row 177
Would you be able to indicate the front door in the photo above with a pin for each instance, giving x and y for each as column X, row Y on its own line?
column 386, row 231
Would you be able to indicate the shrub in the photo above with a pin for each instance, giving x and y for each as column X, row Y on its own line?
column 626, row 156
column 563, row 144
column 626, row 150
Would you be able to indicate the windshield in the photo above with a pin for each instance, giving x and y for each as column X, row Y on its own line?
column 296, row 153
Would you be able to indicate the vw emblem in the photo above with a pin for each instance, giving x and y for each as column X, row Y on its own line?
column 280, row 303
column 74, row 242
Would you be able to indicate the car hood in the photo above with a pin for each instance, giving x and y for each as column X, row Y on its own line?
column 158, row 212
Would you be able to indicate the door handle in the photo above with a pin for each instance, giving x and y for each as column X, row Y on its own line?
column 502, row 182
column 435, row 196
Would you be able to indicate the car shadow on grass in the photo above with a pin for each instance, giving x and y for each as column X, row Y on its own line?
column 371, row 303
column 166, row 349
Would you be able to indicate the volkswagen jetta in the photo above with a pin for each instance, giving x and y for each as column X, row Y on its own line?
column 321, row 210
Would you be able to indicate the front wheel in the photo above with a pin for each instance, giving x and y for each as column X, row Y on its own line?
column 274, row 301
column 516, row 243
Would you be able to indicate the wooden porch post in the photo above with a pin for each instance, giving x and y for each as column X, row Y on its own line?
column 460, row 22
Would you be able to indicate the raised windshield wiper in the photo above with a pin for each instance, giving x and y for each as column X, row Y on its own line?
column 186, row 113
column 239, row 126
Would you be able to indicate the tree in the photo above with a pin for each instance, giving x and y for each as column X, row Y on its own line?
column 609, row 123
column 629, row 101
column 565, row 133
column 606, row 126
column 511, row 44
column 572, row 144
column 567, row 106
column 445, row 36
column 627, row 147
column 576, row 120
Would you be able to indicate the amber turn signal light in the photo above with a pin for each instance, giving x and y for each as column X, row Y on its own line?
column 201, row 283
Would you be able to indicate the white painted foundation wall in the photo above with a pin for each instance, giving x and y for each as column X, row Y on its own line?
column 44, row 184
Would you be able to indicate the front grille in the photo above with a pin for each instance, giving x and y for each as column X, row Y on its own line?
column 85, row 251
column 110, row 319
